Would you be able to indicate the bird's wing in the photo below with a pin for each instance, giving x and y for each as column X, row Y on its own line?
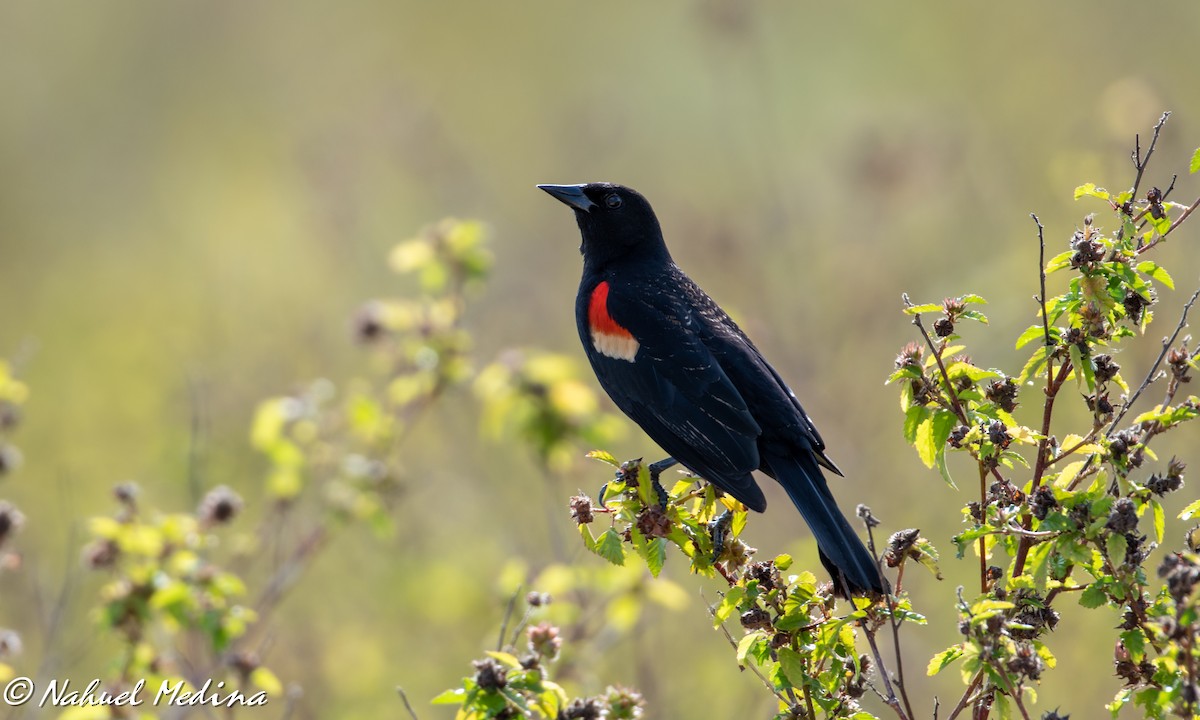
column 675, row 389
column 758, row 381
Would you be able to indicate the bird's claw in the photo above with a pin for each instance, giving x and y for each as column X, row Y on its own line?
column 718, row 530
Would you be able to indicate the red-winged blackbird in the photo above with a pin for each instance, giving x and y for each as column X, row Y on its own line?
column 675, row 363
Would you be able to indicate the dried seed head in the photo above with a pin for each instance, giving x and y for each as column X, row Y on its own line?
column 10, row 644
column 653, row 522
column 1135, row 305
column 581, row 509
column 998, row 434
column 910, row 356
column 544, row 640
column 11, row 521
column 490, row 675
column 369, row 324
column 100, row 554
column 900, row 545
column 1123, row 517
column 765, row 573
column 1106, row 369
column 756, row 619
column 583, row 709
column 1042, row 501
column 538, row 599
column 944, row 327
column 220, row 506
column 1003, row 393
column 624, row 703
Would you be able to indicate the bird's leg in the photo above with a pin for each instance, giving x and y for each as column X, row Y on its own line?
column 718, row 530
column 656, row 469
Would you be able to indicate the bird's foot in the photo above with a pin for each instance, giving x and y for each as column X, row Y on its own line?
column 656, row 469
column 718, row 530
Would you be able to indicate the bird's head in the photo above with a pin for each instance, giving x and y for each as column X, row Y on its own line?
column 616, row 222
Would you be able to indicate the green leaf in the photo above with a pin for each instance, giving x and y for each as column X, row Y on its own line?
column 1135, row 642
column 1083, row 368
column 1033, row 332
column 1035, row 363
column 920, row 309
column 945, row 472
column 792, row 664
column 1092, row 596
column 1090, row 190
column 913, row 417
column 745, row 644
column 783, row 562
column 1116, row 545
column 655, row 555
column 1059, row 261
column 972, row 299
column 1159, row 520
column 975, row 315
column 506, row 659
column 1194, row 166
column 450, row 697
column 728, row 604
column 943, row 659
column 604, row 456
column 1190, row 511
column 1152, row 269
column 610, row 547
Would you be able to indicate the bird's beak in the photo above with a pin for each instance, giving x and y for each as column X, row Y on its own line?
column 572, row 195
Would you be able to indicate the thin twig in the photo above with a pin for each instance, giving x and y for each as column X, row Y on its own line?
column 891, row 698
column 1138, row 161
column 1166, row 346
column 892, row 621
column 958, row 410
column 753, row 668
column 407, row 706
column 512, row 604
column 967, row 696
column 1178, row 221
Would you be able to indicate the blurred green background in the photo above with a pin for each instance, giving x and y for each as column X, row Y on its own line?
column 195, row 196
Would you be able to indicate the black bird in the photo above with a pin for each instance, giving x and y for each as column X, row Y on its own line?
column 677, row 365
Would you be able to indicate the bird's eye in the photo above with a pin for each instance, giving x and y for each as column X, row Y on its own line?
column 613, row 201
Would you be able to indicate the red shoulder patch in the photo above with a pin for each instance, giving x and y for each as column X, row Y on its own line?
column 599, row 319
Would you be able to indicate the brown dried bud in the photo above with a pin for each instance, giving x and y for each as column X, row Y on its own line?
column 910, row 356
column 490, row 675
column 1123, row 517
column 1106, row 369
column 653, row 522
column 581, row 509
column 544, row 640
column 900, row 546
column 756, row 619
column 220, row 506
column 1042, row 501
column 944, row 327
column 1003, row 393
column 1135, row 304
column 100, row 554
column 11, row 521
column 998, row 434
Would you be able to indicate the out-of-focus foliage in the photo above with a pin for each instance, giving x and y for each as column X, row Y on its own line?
column 541, row 399
column 163, row 587
column 13, row 394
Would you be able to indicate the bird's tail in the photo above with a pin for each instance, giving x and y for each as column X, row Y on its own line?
column 841, row 550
